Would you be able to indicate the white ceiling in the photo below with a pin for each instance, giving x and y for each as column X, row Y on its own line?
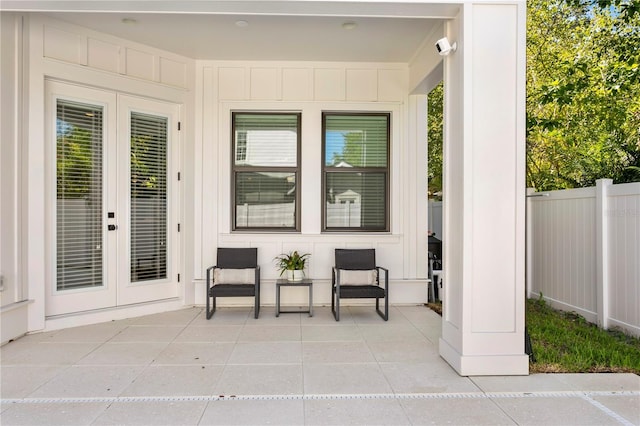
column 266, row 37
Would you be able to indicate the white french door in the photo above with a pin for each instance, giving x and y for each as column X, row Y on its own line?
column 147, row 224
column 113, row 199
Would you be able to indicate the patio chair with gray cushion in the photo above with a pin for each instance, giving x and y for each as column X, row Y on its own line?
column 356, row 276
column 236, row 274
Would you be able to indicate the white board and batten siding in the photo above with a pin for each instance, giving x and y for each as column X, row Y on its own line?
column 86, row 57
column 584, row 252
column 101, row 52
column 309, row 88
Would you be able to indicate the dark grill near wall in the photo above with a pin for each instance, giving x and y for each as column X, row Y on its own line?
column 435, row 248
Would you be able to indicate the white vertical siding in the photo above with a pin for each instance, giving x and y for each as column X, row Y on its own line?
column 14, row 294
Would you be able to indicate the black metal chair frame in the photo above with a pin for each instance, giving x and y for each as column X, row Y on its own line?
column 431, row 295
column 358, row 260
column 233, row 258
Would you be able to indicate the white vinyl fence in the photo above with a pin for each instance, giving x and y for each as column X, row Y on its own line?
column 347, row 214
column 435, row 218
column 583, row 252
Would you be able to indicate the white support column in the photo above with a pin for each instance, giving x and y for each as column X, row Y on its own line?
column 602, row 251
column 484, row 205
column 416, row 244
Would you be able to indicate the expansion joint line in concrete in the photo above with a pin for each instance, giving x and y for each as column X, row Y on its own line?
column 586, row 395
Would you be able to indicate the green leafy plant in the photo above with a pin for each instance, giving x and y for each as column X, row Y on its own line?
column 291, row 261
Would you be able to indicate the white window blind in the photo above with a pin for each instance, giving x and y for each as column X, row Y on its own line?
column 266, row 139
column 356, row 171
column 148, row 197
column 79, row 144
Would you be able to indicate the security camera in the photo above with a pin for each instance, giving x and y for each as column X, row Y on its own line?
column 444, row 47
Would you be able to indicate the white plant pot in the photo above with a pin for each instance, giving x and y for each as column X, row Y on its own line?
column 295, row 274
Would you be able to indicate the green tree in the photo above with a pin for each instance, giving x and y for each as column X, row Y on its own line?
column 75, row 164
column 583, row 94
column 352, row 150
column 627, row 9
column 434, row 138
column 147, row 161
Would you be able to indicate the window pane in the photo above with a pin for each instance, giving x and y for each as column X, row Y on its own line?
column 265, row 200
column 356, row 200
column 356, row 140
column 148, row 197
column 78, row 195
column 267, row 140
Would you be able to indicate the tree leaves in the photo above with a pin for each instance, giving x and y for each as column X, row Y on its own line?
column 434, row 138
column 583, row 91
column 583, row 95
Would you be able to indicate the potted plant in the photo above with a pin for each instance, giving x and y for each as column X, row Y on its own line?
column 292, row 264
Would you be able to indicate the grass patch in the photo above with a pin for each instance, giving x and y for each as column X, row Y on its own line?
column 435, row 306
column 564, row 342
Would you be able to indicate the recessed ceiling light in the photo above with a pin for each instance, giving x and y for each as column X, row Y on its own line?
column 242, row 24
column 349, row 25
column 129, row 21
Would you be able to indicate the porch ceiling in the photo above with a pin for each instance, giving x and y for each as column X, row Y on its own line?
column 265, row 37
column 292, row 30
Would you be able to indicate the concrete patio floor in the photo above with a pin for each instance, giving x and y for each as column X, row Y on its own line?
column 177, row 368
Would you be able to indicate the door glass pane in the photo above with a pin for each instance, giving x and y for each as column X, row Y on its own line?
column 148, row 197
column 78, row 195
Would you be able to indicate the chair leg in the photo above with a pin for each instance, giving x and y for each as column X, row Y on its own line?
column 213, row 306
column 333, row 308
column 384, row 315
column 256, row 309
column 386, row 308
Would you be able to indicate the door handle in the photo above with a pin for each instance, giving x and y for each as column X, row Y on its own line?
column 112, row 227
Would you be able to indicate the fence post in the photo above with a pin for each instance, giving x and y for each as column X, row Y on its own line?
column 602, row 251
column 529, row 244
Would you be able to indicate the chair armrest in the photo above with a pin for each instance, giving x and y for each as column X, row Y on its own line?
column 257, row 278
column 210, row 277
column 335, row 276
column 386, row 276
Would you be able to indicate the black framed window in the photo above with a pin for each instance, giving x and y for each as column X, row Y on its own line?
column 355, row 172
column 266, row 171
